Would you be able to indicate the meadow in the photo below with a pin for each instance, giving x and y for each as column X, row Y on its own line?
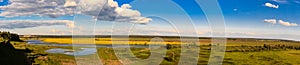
column 238, row 51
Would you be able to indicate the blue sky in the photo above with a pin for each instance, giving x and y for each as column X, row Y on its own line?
column 243, row 18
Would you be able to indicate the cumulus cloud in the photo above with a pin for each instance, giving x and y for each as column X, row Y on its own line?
column 271, row 5
column 112, row 12
column 50, row 8
column 107, row 10
column 13, row 24
column 273, row 21
column 281, row 22
column 286, row 23
column 70, row 3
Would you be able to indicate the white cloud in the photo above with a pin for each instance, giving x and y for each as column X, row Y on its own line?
column 55, row 8
column 273, row 21
column 112, row 12
column 70, row 3
column 286, row 23
column 13, row 24
column 281, row 22
column 271, row 5
column 50, row 8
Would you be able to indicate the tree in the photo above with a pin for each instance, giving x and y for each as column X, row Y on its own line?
column 169, row 46
column 8, row 54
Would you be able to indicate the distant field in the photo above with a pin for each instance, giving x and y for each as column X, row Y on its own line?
column 230, row 42
column 109, row 40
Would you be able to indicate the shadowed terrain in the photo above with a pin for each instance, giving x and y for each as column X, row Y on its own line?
column 8, row 54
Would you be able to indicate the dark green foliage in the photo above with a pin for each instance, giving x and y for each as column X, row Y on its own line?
column 169, row 46
column 8, row 54
column 145, row 44
column 7, row 36
column 170, row 57
column 265, row 47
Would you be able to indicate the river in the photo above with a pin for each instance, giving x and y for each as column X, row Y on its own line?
column 85, row 49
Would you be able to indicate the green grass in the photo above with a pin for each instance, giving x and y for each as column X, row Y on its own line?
column 263, row 58
column 48, row 59
column 247, row 54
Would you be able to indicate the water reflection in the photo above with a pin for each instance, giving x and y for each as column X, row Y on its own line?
column 80, row 52
column 85, row 49
column 38, row 42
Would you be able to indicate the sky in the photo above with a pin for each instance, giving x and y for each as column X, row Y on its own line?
column 277, row 19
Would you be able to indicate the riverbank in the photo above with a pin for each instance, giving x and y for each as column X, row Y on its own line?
column 238, row 52
column 39, row 56
column 274, row 55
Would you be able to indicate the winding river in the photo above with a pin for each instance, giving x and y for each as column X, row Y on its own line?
column 85, row 49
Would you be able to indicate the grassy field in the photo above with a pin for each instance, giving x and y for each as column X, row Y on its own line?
column 38, row 56
column 97, row 41
column 238, row 52
column 147, row 41
column 265, row 57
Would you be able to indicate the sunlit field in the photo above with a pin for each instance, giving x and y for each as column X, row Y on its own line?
column 109, row 40
column 238, row 52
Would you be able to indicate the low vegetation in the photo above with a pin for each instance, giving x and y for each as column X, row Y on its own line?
column 238, row 52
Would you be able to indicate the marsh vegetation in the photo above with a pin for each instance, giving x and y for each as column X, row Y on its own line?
column 238, row 51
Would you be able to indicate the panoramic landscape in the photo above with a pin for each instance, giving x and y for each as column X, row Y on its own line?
column 239, row 51
column 149, row 32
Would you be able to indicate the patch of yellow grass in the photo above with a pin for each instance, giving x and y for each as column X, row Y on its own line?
column 97, row 41
column 147, row 41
